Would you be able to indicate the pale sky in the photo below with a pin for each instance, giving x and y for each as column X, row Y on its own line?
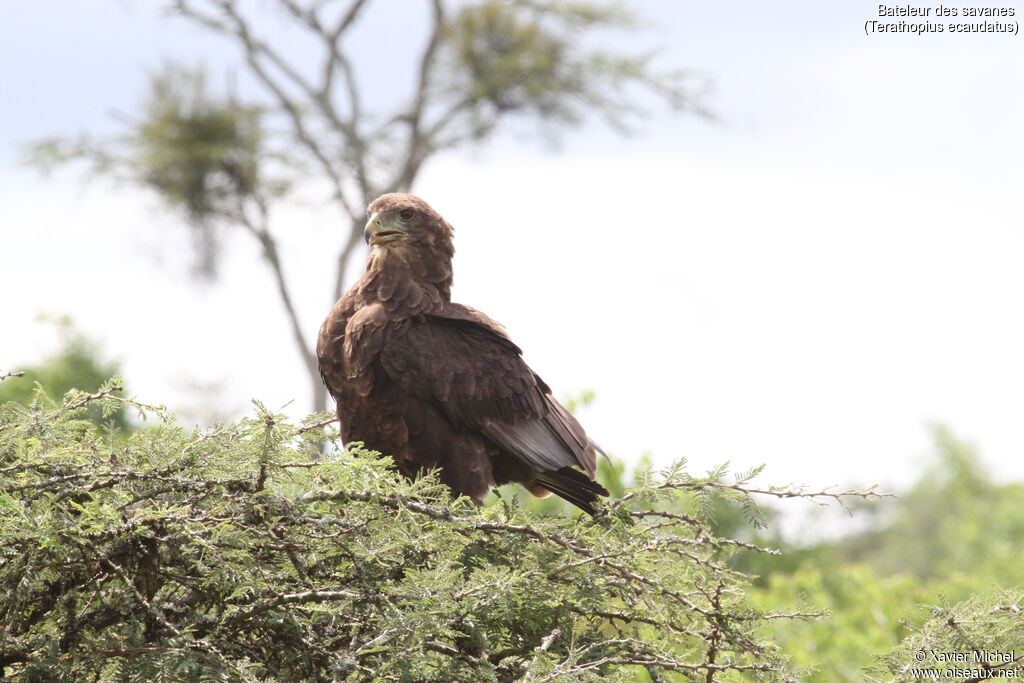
column 806, row 283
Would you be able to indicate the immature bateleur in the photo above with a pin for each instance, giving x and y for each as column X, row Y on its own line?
column 436, row 384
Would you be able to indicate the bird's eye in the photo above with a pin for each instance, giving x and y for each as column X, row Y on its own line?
column 406, row 214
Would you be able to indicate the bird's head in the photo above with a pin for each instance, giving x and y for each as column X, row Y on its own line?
column 408, row 239
column 404, row 221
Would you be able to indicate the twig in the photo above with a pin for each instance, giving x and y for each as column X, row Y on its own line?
column 104, row 393
column 780, row 492
column 315, row 425
column 242, row 615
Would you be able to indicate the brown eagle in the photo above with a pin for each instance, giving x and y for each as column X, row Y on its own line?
column 436, row 384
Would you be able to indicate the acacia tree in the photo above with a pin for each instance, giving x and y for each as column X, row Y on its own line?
column 225, row 554
column 481, row 66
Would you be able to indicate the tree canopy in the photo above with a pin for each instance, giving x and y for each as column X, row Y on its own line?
column 164, row 552
column 227, row 553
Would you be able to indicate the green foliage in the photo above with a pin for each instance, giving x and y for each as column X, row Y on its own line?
column 229, row 554
column 955, row 519
column 528, row 58
column 77, row 365
column 977, row 639
column 952, row 537
column 866, row 616
column 201, row 154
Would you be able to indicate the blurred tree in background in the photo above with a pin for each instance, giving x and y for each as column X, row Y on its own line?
column 936, row 561
column 476, row 68
column 952, row 517
column 78, row 364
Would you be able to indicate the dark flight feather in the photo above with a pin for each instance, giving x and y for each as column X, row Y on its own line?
column 436, row 384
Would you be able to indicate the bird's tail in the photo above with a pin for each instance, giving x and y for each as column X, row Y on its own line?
column 574, row 486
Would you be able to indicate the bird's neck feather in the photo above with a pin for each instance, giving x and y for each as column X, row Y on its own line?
column 391, row 273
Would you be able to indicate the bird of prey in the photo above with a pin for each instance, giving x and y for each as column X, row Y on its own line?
column 436, row 384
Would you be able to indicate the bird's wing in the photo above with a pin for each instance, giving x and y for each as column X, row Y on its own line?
column 465, row 366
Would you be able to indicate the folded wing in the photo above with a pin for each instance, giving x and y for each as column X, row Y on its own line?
column 464, row 365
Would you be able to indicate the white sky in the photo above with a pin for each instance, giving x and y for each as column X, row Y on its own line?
column 806, row 283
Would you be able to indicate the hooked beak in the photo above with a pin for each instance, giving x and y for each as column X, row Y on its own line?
column 382, row 229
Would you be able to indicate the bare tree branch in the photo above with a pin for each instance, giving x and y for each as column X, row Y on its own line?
column 254, row 49
column 418, row 145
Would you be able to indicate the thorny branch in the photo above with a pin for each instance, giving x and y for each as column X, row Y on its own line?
column 103, row 393
column 310, row 427
column 780, row 492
